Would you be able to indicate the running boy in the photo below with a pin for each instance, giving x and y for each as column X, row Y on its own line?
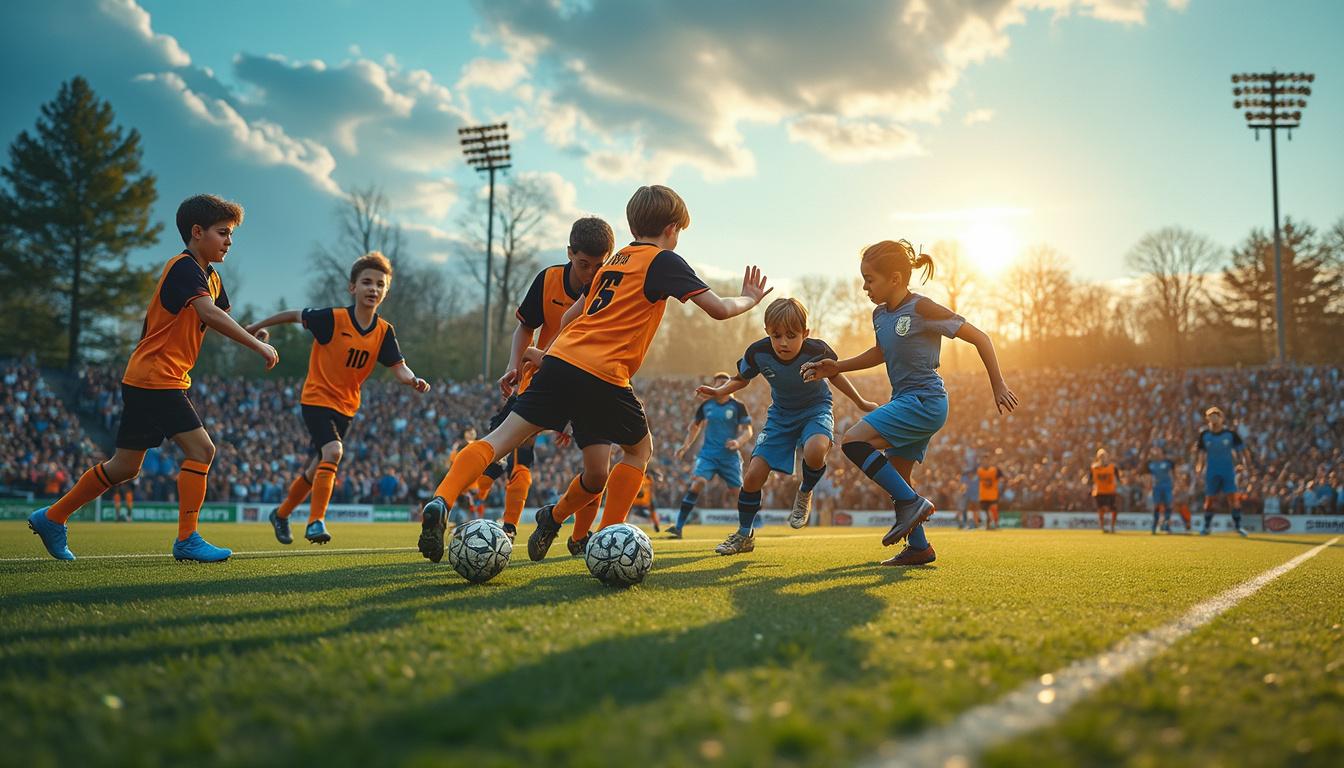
column 584, row 377
column 726, row 425
column 188, row 299
column 799, row 417
column 346, row 342
column 909, row 330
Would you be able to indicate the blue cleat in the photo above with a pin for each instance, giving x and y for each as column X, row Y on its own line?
column 316, row 532
column 1203, row 531
column 1242, row 531
column 199, row 550
column 281, row 526
column 52, row 534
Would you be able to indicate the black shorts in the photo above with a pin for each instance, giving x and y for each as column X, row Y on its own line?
column 985, row 505
column 600, row 411
column 324, row 425
column 1105, row 500
column 150, row 415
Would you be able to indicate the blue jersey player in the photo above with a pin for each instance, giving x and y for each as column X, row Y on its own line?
column 1162, row 470
column 909, row 330
column 1218, row 450
column 726, row 425
column 799, row 416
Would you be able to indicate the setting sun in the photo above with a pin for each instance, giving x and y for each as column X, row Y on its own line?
column 991, row 244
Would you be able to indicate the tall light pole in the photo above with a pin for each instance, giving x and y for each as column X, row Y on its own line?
column 1273, row 102
column 487, row 149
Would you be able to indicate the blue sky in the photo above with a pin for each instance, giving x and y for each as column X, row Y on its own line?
column 796, row 132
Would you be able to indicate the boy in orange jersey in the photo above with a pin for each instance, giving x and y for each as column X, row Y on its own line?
column 991, row 483
column 553, row 291
column 584, row 377
column 346, row 342
column 188, row 299
column 1105, row 479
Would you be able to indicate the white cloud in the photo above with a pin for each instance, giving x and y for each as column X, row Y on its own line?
column 855, row 140
column 975, row 116
column 136, row 19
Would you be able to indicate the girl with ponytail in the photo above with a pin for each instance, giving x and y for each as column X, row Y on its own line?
column 909, row 329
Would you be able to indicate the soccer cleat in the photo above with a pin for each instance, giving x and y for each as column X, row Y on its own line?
column 908, row 515
column 539, row 543
column 51, row 533
column 802, row 508
column 1203, row 531
column 1241, row 531
column 281, row 526
column 737, row 544
column 912, row 556
column 674, row 533
column 511, row 531
column 199, row 550
column 433, row 522
column 316, row 532
column 578, row 548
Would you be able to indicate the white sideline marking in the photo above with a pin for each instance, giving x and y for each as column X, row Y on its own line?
column 1041, row 702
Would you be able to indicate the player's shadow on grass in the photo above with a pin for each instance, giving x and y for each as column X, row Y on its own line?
column 776, row 623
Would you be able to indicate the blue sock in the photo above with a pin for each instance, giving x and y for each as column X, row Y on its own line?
column 1208, row 520
column 917, row 539
column 811, row 477
column 1236, row 518
column 876, row 466
column 748, row 504
column 687, row 505
column 1157, row 517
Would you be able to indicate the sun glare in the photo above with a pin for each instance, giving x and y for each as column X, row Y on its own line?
column 991, row 245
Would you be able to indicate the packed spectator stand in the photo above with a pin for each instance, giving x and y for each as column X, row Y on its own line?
column 1292, row 419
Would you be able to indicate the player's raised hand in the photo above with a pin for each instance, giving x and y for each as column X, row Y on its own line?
column 706, row 391
column 261, row 334
column 507, row 382
column 420, row 385
column 268, row 352
column 1004, row 399
column 754, row 284
column 820, row 369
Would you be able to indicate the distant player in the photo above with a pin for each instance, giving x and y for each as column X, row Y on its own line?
column 553, row 291
column 726, row 426
column 584, row 377
column 1217, row 452
column 990, row 481
column 645, row 500
column 969, row 514
column 800, row 416
column 909, row 331
column 1162, row 470
column 1105, row 479
column 125, row 493
column 347, row 341
column 188, row 299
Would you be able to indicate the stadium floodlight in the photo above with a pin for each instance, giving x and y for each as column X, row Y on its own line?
column 1273, row 101
column 486, row 148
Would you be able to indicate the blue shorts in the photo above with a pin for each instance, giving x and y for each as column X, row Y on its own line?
column 908, row 422
column 785, row 432
column 726, row 465
column 1162, row 495
column 1219, row 482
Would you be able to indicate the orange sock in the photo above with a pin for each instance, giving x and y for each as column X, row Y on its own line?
column 994, row 513
column 576, row 498
column 1114, row 514
column 324, row 479
column 1101, row 519
column 483, row 485
column 471, row 462
column 1184, row 511
column 91, row 485
column 298, row 491
column 583, row 519
column 515, row 494
column 622, row 488
column 191, row 477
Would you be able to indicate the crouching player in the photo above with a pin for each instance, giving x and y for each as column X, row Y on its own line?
column 346, row 342
column 726, row 425
column 909, row 330
column 799, row 416
column 189, row 298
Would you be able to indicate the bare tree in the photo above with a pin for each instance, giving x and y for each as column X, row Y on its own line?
column 364, row 225
column 953, row 271
column 1036, row 295
column 817, row 293
column 1174, row 264
column 521, row 209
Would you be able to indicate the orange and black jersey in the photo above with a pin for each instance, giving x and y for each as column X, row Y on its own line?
column 1104, row 479
column 543, row 308
column 170, row 339
column 989, row 483
column 625, row 303
column 342, row 356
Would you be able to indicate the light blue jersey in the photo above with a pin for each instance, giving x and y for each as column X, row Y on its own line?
column 1161, row 470
column 912, row 342
column 1220, row 465
column 799, row 409
column 722, row 421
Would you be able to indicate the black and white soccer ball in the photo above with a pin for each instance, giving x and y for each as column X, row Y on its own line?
column 620, row 555
column 479, row 550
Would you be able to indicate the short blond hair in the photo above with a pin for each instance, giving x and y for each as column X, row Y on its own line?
column 651, row 209
column 786, row 315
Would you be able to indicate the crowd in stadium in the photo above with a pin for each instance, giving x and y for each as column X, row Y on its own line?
column 1292, row 420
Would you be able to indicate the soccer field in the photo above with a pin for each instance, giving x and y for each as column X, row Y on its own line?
column 802, row 653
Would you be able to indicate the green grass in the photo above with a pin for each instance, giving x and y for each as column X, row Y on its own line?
column 803, row 653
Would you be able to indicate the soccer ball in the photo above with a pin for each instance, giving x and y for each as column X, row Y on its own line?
column 620, row 555
column 479, row 550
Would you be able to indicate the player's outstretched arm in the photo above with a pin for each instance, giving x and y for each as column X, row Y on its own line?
column 692, row 432
column 258, row 328
column 1004, row 399
column 729, row 387
column 826, row 369
column 218, row 319
column 405, row 375
column 846, row 387
column 753, row 290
